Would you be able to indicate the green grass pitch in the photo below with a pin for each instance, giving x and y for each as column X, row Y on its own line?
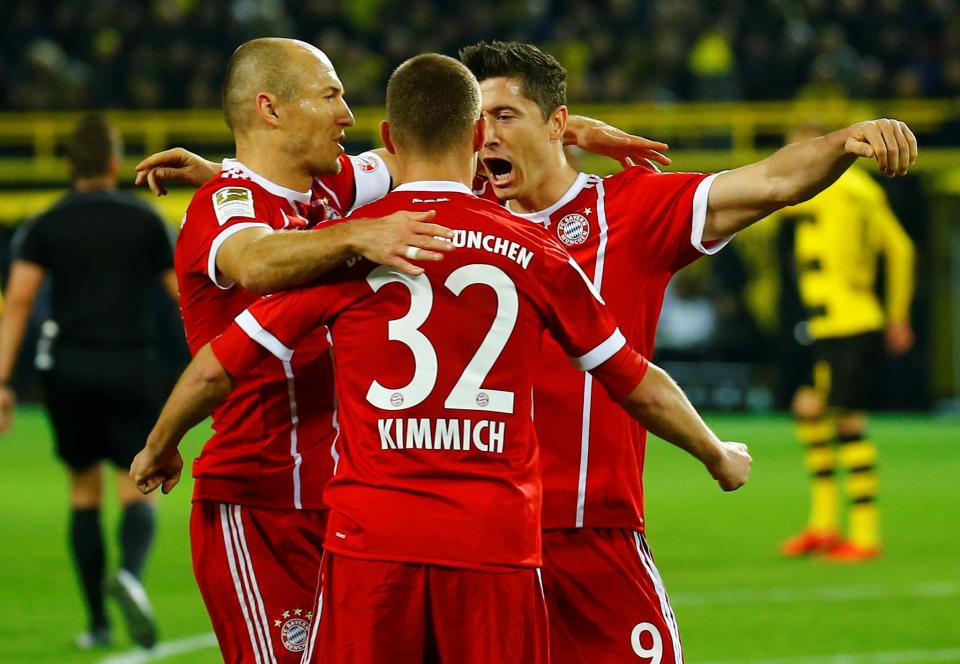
column 735, row 599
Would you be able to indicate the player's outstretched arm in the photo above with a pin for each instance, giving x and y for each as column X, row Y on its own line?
column 661, row 406
column 603, row 139
column 202, row 387
column 264, row 261
column 801, row 170
column 174, row 165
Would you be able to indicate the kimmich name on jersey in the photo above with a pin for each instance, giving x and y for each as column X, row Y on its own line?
column 442, row 434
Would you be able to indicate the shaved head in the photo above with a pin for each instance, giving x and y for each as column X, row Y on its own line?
column 433, row 103
column 271, row 65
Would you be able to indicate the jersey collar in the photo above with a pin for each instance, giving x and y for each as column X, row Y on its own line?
column 543, row 216
column 283, row 192
column 436, row 185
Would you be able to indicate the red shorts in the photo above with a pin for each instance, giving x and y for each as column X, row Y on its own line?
column 373, row 612
column 257, row 570
column 606, row 600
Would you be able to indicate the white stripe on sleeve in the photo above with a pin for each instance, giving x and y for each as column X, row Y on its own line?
column 256, row 331
column 601, row 353
column 699, row 221
column 222, row 282
column 370, row 183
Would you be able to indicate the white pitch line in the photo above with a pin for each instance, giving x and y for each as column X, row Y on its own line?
column 164, row 649
column 824, row 594
column 894, row 657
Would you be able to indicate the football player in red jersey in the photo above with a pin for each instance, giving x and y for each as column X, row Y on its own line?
column 434, row 530
column 258, row 520
column 630, row 233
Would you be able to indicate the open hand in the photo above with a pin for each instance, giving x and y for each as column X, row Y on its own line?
column 603, row 139
column 174, row 165
column 399, row 238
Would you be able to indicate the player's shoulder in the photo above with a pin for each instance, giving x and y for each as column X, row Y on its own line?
column 225, row 181
column 227, row 194
column 638, row 178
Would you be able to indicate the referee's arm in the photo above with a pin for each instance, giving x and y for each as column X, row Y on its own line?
column 25, row 280
column 169, row 280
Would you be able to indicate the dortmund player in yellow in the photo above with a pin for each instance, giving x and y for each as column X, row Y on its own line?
column 840, row 234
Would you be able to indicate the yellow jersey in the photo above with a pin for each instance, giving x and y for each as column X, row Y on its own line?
column 839, row 236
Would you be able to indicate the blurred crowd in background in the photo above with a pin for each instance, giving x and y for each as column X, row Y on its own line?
column 157, row 54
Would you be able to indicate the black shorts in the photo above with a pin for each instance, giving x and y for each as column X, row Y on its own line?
column 101, row 403
column 851, row 365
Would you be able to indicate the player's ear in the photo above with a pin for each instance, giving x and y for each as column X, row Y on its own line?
column 385, row 137
column 113, row 166
column 266, row 109
column 479, row 134
column 558, row 123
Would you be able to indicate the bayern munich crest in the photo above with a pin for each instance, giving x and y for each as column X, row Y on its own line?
column 294, row 629
column 366, row 164
column 573, row 229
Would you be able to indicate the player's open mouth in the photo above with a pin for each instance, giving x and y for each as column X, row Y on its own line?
column 501, row 171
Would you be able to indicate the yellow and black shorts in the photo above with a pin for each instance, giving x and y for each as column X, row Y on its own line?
column 846, row 369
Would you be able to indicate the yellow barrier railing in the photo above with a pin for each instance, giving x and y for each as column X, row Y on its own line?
column 37, row 137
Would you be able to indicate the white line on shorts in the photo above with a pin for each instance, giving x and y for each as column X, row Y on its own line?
column 894, row 657
column 823, row 594
column 164, row 649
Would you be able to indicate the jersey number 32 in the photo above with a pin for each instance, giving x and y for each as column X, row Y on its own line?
column 468, row 393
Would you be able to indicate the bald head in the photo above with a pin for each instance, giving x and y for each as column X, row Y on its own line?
column 272, row 65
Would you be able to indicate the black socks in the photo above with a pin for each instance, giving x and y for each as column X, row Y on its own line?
column 86, row 544
column 136, row 535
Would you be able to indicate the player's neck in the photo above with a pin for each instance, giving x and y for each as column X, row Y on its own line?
column 275, row 166
column 548, row 186
column 447, row 168
column 100, row 183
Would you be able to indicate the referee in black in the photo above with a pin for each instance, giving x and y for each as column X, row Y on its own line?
column 104, row 252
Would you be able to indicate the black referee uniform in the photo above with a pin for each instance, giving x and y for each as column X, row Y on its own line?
column 104, row 252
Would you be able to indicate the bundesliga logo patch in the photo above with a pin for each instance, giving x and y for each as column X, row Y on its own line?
column 232, row 202
column 366, row 164
column 294, row 629
column 573, row 229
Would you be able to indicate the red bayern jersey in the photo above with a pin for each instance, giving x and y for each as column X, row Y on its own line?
column 276, row 428
column 630, row 233
column 437, row 457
